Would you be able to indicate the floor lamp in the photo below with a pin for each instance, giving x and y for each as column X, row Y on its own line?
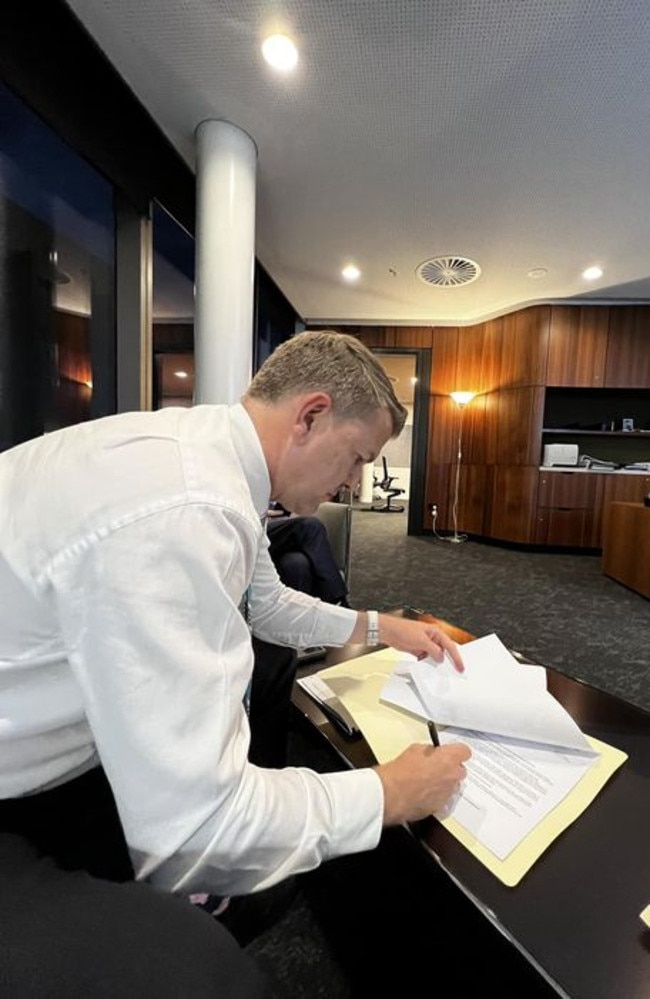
column 461, row 399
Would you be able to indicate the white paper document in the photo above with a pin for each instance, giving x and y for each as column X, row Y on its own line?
column 527, row 752
column 510, row 786
column 495, row 694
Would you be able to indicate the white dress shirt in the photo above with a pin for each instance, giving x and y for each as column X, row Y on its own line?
column 126, row 545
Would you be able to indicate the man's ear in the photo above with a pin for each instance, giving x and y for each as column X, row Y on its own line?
column 312, row 408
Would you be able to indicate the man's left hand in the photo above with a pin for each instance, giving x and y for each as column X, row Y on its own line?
column 419, row 638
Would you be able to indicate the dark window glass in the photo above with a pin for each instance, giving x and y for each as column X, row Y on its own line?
column 173, row 312
column 57, row 266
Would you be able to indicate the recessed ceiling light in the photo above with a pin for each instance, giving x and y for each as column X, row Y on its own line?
column 280, row 52
column 537, row 272
column 181, row 374
column 351, row 273
column 592, row 273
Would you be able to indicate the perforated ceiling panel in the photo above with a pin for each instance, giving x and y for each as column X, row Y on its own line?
column 515, row 131
column 448, row 272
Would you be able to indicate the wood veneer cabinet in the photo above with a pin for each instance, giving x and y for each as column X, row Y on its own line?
column 628, row 348
column 599, row 346
column 512, row 503
column 569, row 508
column 513, row 426
column 540, row 360
column 524, row 347
column 577, row 346
column 626, row 545
column 625, row 488
column 569, row 489
column 571, row 505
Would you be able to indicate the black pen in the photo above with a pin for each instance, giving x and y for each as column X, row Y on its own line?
column 433, row 732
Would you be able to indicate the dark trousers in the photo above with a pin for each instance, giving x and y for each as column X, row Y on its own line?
column 74, row 925
column 270, row 703
column 301, row 552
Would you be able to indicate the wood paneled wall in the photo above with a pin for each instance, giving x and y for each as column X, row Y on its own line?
column 508, row 362
column 504, row 362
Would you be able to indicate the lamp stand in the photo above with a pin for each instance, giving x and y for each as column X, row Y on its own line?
column 461, row 399
column 456, row 538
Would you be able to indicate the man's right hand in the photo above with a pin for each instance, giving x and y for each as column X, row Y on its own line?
column 421, row 780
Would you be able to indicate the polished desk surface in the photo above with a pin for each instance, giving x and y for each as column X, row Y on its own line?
column 575, row 914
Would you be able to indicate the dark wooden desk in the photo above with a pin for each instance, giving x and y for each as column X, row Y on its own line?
column 575, row 915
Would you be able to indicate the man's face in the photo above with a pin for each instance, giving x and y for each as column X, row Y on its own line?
column 332, row 457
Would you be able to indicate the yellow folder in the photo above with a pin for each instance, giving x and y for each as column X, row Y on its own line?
column 389, row 730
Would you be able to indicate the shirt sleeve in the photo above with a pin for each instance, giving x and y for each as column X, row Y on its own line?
column 163, row 658
column 288, row 617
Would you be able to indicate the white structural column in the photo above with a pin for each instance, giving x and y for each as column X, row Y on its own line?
column 367, row 479
column 225, row 262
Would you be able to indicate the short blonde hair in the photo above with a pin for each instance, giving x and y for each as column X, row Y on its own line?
column 331, row 362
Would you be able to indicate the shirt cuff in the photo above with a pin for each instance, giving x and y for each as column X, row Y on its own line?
column 359, row 796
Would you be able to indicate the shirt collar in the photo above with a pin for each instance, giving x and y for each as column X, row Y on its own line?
column 251, row 455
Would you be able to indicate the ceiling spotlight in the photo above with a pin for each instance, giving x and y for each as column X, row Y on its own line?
column 592, row 273
column 280, row 52
column 181, row 374
column 351, row 273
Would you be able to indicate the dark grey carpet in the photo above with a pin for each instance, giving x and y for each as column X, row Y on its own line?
column 296, row 954
column 559, row 609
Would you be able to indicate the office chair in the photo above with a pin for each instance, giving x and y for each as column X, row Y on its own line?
column 337, row 518
column 391, row 491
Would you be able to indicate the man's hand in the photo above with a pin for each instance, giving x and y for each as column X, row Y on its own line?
column 421, row 780
column 419, row 638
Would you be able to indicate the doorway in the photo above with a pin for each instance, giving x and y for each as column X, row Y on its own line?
column 409, row 369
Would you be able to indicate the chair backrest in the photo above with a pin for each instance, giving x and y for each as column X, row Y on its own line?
column 337, row 518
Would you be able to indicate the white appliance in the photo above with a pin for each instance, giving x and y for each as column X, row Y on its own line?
column 560, row 454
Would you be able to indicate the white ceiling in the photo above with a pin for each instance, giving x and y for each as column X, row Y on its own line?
column 513, row 132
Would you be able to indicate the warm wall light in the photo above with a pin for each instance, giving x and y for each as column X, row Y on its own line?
column 181, row 374
column 280, row 52
column 462, row 398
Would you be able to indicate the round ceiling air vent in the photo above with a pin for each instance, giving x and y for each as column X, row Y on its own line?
column 448, row 272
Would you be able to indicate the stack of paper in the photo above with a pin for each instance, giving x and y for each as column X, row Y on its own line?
column 532, row 771
column 495, row 694
column 527, row 752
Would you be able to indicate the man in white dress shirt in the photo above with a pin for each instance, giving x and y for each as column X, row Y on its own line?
column 127, row 546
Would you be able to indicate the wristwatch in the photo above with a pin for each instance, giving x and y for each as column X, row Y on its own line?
column 372, row 636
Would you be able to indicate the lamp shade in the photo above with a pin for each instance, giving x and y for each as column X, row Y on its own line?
column 462, row 398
